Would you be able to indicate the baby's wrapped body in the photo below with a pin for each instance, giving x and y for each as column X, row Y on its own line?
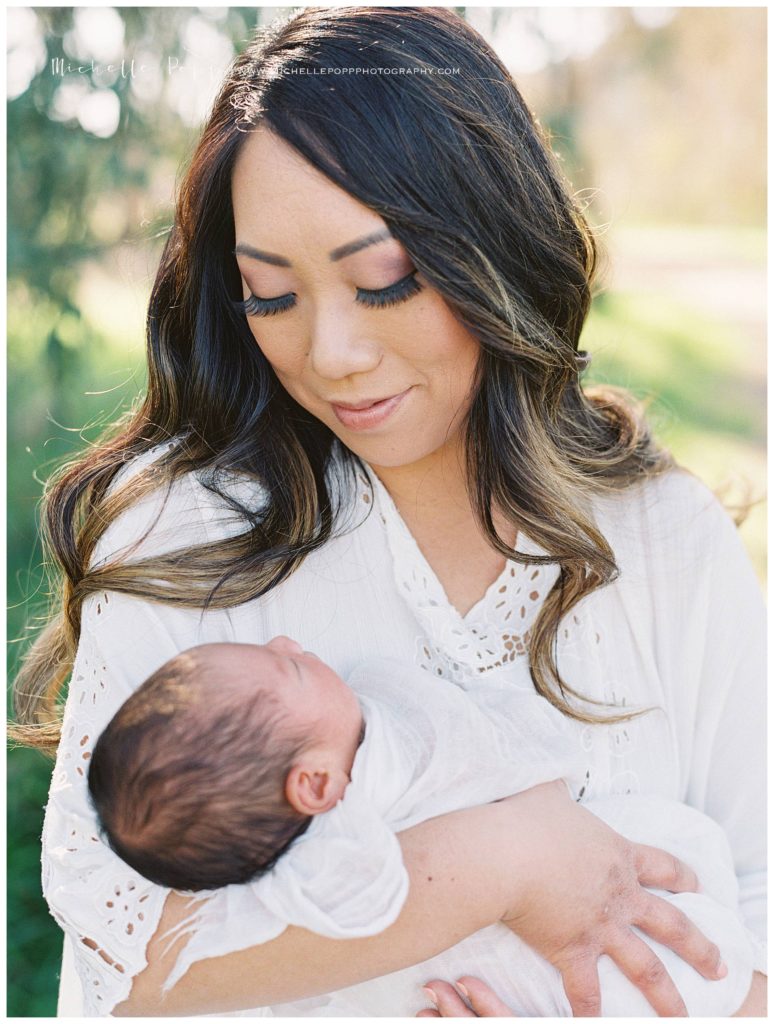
column 344, row 877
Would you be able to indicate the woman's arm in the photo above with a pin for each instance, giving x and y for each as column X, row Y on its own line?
column 449, row 899
column 467, row 870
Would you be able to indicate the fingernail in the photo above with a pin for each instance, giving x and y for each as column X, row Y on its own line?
column 462, row 989
column 431, row 995
column 722, row 970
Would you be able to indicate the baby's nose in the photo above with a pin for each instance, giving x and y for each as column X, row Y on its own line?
column 285, row 645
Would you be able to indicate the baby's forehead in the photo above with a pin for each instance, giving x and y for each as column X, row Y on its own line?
column 228, row 654
column 231, row 680
column 237, row 666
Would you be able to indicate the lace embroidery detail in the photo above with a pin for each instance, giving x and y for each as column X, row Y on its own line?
column 91, row 893
column 624, row 782
column 495, row 633
column 435, row 661
column 622, row 742
column 622, row 735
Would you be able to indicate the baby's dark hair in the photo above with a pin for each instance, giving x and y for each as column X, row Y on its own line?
column 188, row 777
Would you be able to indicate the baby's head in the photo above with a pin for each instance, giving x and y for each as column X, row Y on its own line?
column 220, row 759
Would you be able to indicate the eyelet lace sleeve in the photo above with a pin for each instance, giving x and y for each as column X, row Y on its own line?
column 108, row 910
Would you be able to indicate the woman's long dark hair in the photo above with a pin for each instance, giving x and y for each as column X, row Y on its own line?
column 455, row 164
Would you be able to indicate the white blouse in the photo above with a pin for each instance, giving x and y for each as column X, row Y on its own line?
column 682, row 628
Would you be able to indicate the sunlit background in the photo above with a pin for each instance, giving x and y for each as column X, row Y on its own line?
column 658, row 116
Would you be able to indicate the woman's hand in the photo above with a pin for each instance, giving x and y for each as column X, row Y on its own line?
column 582, row 893
column 480, row 1001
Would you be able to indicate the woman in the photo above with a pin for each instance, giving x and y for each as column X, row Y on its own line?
column 364, row 420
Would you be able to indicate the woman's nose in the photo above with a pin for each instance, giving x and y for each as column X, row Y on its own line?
column 338, row 349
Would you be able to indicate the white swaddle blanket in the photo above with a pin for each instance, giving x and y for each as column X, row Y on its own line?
column 345, row 878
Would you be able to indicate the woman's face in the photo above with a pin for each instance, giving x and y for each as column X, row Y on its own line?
column 393, row 381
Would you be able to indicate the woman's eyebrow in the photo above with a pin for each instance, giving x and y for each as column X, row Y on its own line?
column 243, row 249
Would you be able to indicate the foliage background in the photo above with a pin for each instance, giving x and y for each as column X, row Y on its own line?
column 658, row 116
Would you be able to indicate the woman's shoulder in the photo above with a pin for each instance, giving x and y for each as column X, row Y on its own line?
column 190, row 509
column 672, row 518
column 676, row 497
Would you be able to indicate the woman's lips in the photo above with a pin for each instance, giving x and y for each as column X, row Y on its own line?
column 372, row 416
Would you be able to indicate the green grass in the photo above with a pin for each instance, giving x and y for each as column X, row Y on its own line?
column 706, row 393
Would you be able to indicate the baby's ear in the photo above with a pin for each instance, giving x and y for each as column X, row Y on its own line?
column 310, row 791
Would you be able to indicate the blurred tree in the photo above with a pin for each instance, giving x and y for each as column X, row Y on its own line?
column 92, row 156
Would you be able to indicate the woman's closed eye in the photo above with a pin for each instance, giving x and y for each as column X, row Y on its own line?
column 402, row 290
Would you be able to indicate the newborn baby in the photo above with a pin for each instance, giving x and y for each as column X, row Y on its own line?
column 240, row 763
column 220, row 759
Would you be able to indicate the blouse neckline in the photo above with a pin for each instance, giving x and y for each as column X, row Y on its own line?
column 494, row 631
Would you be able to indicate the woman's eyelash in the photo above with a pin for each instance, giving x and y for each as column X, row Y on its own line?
column 265, row 307
column 395, row 293
column 398, row 292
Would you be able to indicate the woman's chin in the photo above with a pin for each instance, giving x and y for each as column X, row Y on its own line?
column 386, row 455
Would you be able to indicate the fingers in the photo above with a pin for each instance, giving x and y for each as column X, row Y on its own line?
column 581, row 985
column 448, row 1001
column 670, row 926
column 482, row 999
column 479, row 1001
column 644, row 969
column 662, row 870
